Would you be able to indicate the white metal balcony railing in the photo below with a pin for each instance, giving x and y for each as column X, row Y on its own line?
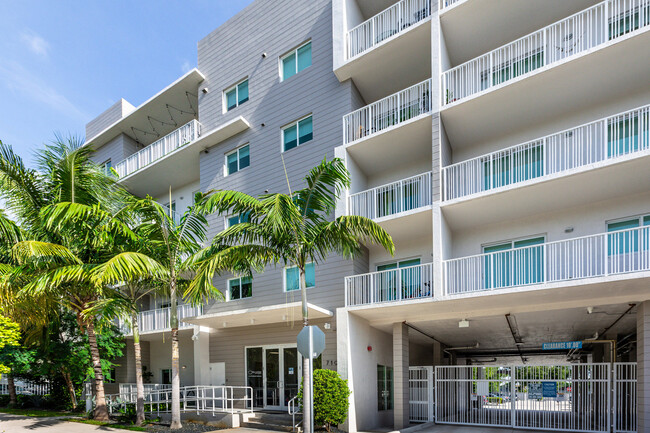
column 392, row 110
column 393, row 198
column 413, row 282
column 159, row 148
column 604, row 139
column 598, row 255
column 386, row 24
column 158, row 319
column 446, row 3
column 580, row 32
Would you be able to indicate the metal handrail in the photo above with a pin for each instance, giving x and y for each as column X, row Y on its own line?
column 293, row 411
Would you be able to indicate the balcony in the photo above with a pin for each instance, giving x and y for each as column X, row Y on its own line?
column 158, row 319
column 602, row 255
column 406, row 195
column 159, row 148
column 606, row 140
column 394, row 285
column 579, row 33
column 447, row 3
column 386, row 25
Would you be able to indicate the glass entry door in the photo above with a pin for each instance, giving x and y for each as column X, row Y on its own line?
column 280, row 375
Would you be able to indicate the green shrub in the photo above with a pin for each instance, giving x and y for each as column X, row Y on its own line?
column 330, row 398
column 127, row 414
column 4, row 400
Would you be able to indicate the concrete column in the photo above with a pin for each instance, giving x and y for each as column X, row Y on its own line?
column 643, row 367
column 344, row 365
column 438, row 354
column 201, row 346
column 401, row 375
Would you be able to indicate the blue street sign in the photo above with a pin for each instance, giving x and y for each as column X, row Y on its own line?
column 549, row 389
column 562, row 345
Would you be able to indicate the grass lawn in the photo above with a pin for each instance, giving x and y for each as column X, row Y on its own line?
column 106, row 424
column 34, row 412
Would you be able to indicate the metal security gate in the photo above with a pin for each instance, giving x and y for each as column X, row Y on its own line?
column 421, row 394
column 577, row 397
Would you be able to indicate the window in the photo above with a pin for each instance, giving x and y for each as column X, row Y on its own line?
column 240, row 288
column 295, row 61
column 514, row 263
column 106, row 167
column 236, row 95
column 237, row 160
column 624, row 240
column 384, row 387
column 297, row 133
column 237, row 219
column 292, row 277
column 166, row 376
column 413, row 283
column 111, row 376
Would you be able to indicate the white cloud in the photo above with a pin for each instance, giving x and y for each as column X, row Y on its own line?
column 35, row 43
column 23, row 81
column 185, row 67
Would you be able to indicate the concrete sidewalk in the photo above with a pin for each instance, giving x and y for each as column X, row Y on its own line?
column 22, row 424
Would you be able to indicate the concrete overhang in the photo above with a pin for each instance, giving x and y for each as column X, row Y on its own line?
column 267, row 315
column 406, row 228
column 155, row 179
column 541, row 95
column 156, row 107
column 392, row 65
column 473, row 27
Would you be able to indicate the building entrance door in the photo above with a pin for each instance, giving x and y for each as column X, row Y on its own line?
column 273, row 372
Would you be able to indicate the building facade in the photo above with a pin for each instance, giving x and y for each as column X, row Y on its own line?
column 504, row 147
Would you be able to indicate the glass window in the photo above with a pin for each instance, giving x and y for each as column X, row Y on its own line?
column 295, row 61
column 384, row 387
column 106, row 167
column 236, row 219
column 506, row 268
column 236, row 95
column 255, row 374
column 240, row 288
column 297, row 133
column 166, row 376
column 292, row 277
column 238, row 160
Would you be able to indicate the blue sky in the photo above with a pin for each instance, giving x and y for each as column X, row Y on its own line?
column 63, row 62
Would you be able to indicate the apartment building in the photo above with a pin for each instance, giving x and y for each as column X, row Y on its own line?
column 505, row 147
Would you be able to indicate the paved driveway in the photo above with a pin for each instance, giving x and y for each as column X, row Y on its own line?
column 24, row 424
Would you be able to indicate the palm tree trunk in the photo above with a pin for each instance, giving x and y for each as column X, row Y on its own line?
column 70, row 386
column 306, row 376
column 101, row 411
column 139, row 383
column 176, row 380
column 13, row 400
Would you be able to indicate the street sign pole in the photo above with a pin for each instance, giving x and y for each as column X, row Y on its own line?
column 311, row 343
column 311, row 377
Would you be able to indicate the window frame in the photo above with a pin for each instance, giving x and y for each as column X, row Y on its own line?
column 512, row 242
column 388, row 402
column 226, row 223
column 241, row 298
column 294, row 51
column 284, row 278
column 235, row 87
column 236, row 150
column 162, row 376
column 296, row 123
column 107, row 166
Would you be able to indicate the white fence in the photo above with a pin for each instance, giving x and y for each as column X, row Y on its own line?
column 128, row 390
column 446, row 3
column 390, row 111
column 24, row 387
column 394, row 285
column 393, row 198
column 158, row 319
column 562, row 398
column 607, row 138
column 572, row 259
column 421, row 394
column 578, row 33
column 159, row 148
column 624, row 401
column 386, row 24
column 199, row 399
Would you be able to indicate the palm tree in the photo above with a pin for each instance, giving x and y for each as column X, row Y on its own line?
column 293, row 229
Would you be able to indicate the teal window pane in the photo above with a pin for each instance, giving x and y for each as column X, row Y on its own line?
column 528, row 262
column 231, row 99
column 290, row 136
column 289, row 66
column 234, row 289
column 623, row 136
column 232, row 163
column 306, row 129
column 292, row 279
column 625, row 241
column 233, row 220
column 304, row 57
column 246, row 287
column 310, row 275
column 497, row 265
column 244, row 157
column 242, row 92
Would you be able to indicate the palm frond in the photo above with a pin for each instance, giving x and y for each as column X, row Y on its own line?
column 128, row 266
column 43, row 253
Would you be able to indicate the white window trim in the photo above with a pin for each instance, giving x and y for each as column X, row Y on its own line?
column 228, row 89
column 287, row 54
column 284, row 279
column 639, row 217
column 398, row 262
column 226, row 224
column 512, row 241
column 228, row 299
column 289, row 125
column 235, row 150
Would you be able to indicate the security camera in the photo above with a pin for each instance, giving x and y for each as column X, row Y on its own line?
column 204, row 90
